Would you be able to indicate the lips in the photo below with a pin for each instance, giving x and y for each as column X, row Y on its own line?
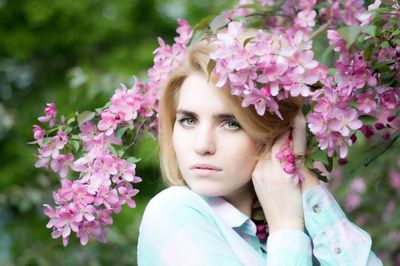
column 205, row 167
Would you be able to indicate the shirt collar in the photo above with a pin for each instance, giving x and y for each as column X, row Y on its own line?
column 226, row 211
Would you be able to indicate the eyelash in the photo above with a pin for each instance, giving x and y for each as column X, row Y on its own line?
column 185, row 119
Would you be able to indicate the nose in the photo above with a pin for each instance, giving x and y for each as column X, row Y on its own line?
column 204, row 142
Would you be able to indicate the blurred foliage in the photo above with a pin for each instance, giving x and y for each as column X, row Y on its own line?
column 75, row 53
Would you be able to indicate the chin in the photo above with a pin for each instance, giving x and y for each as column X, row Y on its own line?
column 206, row 189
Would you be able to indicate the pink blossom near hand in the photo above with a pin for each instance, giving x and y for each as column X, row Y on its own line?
column 288, row 160
column 50, row 115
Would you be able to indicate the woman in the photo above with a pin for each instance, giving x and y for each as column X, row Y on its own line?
column 218, row 160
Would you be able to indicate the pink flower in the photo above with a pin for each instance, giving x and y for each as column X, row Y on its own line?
column 390, row 100
column 126, row 193
column 83, row 212
column 366, row 102
column 229, row 38
column 356, row 189
column 395, row 179
column 344, row 121
column 66, row 223
column 62, row 164
column 261, row 99
column 352, row 11
column 88, row 230
column 367, row 16
column 303, row 61
column 125, row 104
column 80, row 194
column 108, row 122
column 336, row 40
column 50, row 112
column 185, row 32
column 305, row 18
column 38, row 134
column 317, row 123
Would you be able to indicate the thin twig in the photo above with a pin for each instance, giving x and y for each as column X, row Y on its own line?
column 381, row 152
column 320, row 30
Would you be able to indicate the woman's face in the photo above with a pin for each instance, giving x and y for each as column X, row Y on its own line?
column 215, row 155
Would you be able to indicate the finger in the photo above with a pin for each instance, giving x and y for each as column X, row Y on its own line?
column 299, row 134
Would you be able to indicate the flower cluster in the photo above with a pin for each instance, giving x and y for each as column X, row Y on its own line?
column 84, row 205
column 106, row 173
column 271, row 66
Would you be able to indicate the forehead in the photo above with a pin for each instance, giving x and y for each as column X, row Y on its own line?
column 199, row 94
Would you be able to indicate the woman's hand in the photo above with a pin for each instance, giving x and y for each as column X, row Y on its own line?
column 279, row 197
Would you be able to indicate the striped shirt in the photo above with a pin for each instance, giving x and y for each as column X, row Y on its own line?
column 180, row 227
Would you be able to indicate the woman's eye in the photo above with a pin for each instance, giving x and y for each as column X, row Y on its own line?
column 187, row 121
column 232, row 125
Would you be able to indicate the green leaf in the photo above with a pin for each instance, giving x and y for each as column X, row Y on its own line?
column 309, row 163
column 368, row 50
column 75, row 144
column 247, row 41
column 203, row 23
column 325, row 57
column 85, row 116
column 210, row 66
column 218, row 22
column 320, row 156
column 133, row 160
column 370, row 30
column 121, row 131
column 367, row 119
column 353, row 104
column 382, row 66
column 329, row 166
column 71, row 120
column 349, row 34
column 384, row 44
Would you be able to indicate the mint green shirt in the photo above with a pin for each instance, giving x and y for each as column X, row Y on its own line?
column 180, row 227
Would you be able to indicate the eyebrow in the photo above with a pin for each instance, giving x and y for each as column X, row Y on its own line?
column 217, row 116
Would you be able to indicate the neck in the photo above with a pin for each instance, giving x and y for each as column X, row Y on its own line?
column 242, row 199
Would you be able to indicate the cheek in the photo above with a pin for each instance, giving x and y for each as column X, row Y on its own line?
column 179, row 142
column 241, row 156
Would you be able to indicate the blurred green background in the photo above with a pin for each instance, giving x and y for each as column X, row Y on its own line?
column 75, row 54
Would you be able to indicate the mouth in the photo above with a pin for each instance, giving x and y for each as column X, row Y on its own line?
column 205, row 169
column 204, row 172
